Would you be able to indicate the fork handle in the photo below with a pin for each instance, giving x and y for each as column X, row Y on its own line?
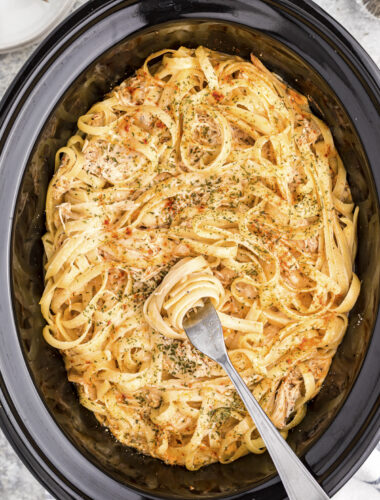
column 297, row 480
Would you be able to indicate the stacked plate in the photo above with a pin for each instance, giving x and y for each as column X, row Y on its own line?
column 27, row 21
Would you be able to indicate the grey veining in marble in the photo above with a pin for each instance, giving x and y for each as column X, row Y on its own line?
column 16, row 482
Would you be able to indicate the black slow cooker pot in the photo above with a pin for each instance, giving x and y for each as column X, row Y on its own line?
column 94, row 49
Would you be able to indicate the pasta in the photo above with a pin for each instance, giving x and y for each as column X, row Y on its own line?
column 203, row 175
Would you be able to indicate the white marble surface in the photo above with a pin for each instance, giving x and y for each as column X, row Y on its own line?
column 16, row 482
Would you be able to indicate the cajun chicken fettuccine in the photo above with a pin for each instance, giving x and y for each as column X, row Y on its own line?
column 203, row 175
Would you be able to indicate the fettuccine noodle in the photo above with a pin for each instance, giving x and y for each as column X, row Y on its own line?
column 203, row 175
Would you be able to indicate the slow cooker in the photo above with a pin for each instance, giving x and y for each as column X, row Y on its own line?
column 94, row 49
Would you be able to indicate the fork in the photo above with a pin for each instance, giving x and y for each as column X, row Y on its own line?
column 204, row 331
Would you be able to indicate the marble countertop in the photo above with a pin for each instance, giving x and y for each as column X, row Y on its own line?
column 16, row 482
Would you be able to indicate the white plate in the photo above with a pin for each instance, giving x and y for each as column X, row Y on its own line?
column 26, row 21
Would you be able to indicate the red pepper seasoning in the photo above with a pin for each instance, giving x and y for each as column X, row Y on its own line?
column 217, row 96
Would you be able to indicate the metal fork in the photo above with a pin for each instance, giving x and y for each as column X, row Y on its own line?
column 204, row 331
